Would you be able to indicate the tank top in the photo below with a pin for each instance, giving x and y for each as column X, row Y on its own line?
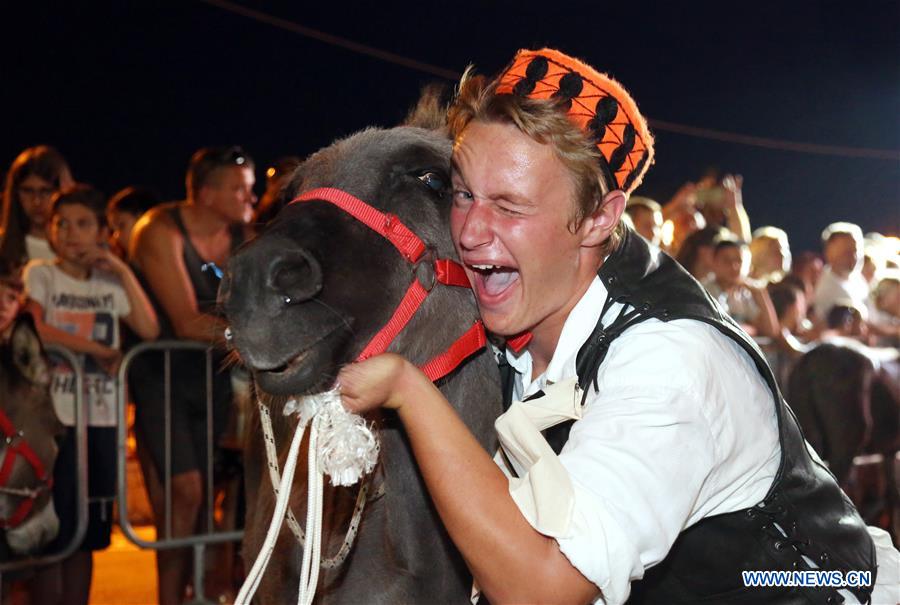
column 204, row 275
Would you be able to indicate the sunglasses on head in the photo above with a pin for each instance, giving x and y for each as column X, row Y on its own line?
column 233, row 155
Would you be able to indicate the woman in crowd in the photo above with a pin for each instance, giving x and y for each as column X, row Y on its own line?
column 35, row 175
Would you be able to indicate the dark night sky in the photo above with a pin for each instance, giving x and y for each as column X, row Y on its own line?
column 128, row 90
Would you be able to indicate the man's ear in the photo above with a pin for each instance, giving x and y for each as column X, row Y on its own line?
column 601, row 223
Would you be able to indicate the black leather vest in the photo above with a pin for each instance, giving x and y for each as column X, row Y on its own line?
column 706, row 560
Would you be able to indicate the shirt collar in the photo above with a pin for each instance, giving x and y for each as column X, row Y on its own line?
column 576, row 330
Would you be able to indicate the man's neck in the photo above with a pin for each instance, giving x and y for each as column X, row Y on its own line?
column 545, row 336
column 542, row 346
column 840, row 272
column 202, row 221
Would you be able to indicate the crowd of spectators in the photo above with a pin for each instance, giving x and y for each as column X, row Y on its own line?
column 850, row 289
column 79, row 265
column 162, row 263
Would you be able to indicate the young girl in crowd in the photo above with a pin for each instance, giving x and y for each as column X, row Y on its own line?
column 35, row 175
column 77, row 300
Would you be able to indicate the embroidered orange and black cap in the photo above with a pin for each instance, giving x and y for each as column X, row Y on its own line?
column 596, row 103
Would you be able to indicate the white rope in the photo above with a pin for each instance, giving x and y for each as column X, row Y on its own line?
column 251, row 583
column 312, row 554
column 340, row 445
column 274, row 472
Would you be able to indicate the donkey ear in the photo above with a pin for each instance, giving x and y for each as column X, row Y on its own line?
column 430, row 111
column 28, row 353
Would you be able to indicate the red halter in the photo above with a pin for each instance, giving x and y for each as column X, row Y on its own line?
column 16, row 444
column 428, row 270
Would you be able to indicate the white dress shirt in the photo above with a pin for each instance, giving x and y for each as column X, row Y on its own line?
column 833, row 289
column 681, row 427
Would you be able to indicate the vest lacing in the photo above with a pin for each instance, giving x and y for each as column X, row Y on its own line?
column 596, row 347
column 783, row 531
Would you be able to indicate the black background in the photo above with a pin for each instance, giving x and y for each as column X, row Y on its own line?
column 128, row 90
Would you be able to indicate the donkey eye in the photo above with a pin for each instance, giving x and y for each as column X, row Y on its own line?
column 433, row 180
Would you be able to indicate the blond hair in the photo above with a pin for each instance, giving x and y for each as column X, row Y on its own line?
column 545, row 122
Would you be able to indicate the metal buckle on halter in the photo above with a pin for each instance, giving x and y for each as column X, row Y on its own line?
column 424, row 271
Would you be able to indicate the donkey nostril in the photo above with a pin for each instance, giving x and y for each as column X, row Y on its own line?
column 296, row 277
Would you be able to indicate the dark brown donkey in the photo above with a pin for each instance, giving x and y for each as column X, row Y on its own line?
column 847, row 400
column 302, row 300
column 28, row 430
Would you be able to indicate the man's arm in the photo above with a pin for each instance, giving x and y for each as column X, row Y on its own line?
column 736, row 216
column 766, row 321
column 157, row 249
column 510, row 560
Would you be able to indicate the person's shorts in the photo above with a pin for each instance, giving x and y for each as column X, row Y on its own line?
column 101, row 446
column 187, row 416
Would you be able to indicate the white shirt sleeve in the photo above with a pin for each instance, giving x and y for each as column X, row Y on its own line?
column 37, row 280
column 123, row 305
column 637, row 459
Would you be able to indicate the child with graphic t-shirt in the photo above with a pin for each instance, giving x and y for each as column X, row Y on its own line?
column 77, row 300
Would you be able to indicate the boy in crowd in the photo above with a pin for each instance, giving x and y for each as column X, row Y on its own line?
column 123, row 211
column 77, row 300
column 747, row 304
column 10, row 295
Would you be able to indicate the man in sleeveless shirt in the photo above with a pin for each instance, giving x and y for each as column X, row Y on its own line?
column 179, row 250
column 653, row 458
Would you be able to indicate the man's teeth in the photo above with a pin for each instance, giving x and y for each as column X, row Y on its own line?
column 487, row 267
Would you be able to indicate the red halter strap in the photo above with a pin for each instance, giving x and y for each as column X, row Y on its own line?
column 17, row 445
column 428, row 271
column 386, row 225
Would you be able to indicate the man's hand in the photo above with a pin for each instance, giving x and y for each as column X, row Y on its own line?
column 732, row 184
column 380, row 381
column 683, row 202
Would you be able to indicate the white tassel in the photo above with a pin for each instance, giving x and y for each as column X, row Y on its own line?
column 347, row 447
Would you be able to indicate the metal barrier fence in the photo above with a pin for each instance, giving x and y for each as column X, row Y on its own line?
column 197, row 542
column 81, row 466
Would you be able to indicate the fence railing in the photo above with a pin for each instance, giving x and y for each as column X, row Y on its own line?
column 199, row 541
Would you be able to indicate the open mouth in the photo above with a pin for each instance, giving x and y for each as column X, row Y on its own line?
column 493, row 281
column 309, row 368
column 292, row 363
column 297, row 360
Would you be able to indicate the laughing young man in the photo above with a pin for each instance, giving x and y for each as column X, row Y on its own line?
column 668, row 463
